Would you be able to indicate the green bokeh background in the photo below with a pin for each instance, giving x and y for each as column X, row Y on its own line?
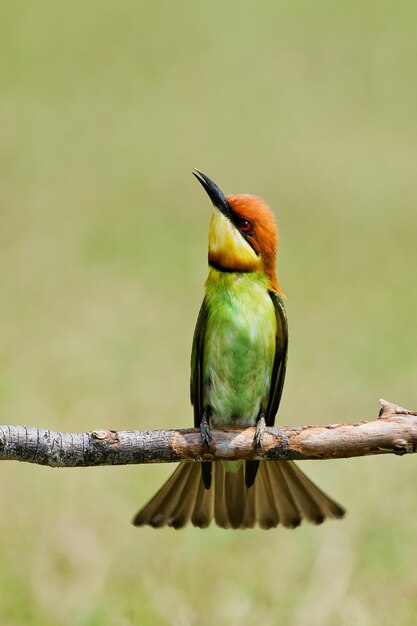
column 105, row 109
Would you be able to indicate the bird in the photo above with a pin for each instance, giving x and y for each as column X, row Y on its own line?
column 238, row 364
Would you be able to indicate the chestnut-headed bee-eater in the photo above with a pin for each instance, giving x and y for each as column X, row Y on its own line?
column 238, row 366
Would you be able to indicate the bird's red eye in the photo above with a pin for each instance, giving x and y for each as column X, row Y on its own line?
column 246, row 227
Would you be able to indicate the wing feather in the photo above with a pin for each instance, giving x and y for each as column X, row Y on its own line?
column 197, row 356
column 280, row 360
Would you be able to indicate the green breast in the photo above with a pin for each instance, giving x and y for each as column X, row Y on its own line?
column 239, row 347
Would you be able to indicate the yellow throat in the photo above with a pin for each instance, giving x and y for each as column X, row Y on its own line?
column 228, row 248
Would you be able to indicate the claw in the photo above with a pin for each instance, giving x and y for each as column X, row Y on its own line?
column 205, row 430
column 259, row 433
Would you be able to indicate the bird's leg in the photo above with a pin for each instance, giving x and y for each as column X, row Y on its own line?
column 206, row 441
column 260, row 430
column 205, row 428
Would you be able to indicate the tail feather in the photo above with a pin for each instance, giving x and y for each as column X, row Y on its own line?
column 288, row 511
column 171, row 509
column 281, row 494
column 235, row 494
column 328, row 507
column 221, row 514
column 267, row 512
column 250, row 517
column 168, row 500
column 304, row 498
column 184, row 507
column 203, row 509
column 313, row 504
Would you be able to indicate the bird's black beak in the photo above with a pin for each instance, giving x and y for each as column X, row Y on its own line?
column 215, row 194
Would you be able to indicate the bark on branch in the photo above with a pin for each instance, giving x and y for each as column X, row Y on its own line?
column 395, row 431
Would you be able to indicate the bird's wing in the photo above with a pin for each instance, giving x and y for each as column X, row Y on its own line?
column 197, row 354
column 280, row 361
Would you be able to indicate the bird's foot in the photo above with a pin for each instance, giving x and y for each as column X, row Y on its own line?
column 205, row 431
column 259, row 433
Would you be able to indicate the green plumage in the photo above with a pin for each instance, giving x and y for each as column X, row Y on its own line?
column 239, row 350
column 239, row 356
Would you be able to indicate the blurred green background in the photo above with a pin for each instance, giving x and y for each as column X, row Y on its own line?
column 105, row 109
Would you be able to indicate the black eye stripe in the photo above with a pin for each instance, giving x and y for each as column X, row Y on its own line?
column 238, row 221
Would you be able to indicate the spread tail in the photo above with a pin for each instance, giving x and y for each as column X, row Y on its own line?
column 281, row 494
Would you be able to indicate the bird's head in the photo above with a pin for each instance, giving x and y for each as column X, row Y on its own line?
column 243, row 236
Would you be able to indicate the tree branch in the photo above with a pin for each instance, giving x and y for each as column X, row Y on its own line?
column 395, row 431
